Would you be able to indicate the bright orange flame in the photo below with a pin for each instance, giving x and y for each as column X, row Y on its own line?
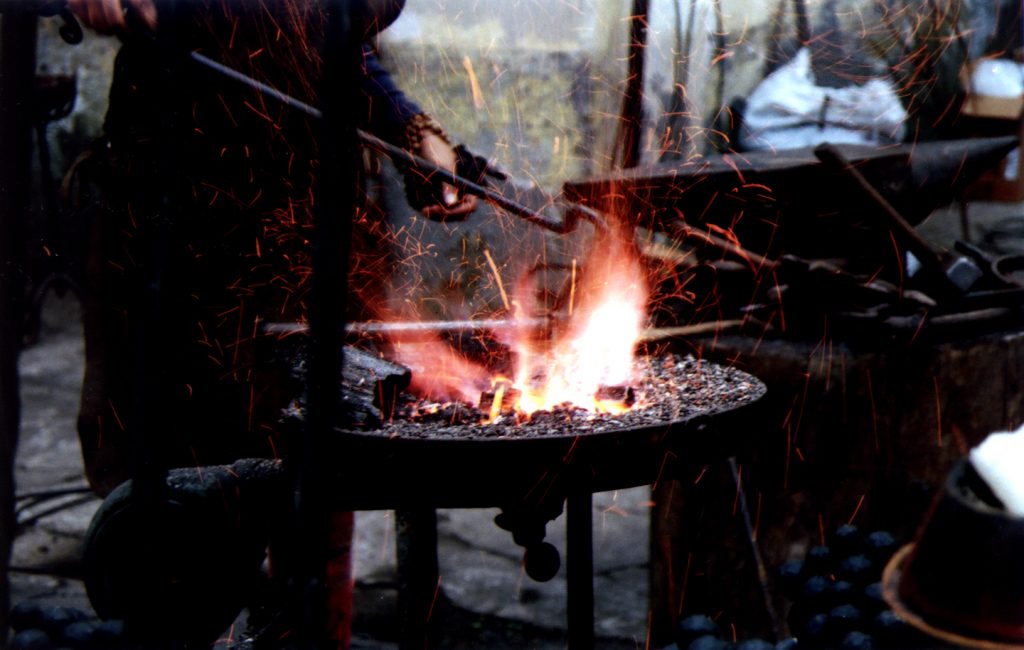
column 597, row 347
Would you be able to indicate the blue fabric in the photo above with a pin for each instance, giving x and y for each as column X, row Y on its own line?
column 388, row 109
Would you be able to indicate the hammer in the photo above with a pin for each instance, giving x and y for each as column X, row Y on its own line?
column 951, row 281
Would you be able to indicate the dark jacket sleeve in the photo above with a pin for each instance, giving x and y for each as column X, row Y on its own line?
column 388, row 108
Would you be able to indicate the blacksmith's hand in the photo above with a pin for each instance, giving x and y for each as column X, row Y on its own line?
column 454, row 205
column 112, row 16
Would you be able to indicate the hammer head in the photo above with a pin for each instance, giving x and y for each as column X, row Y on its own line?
column 963, row 272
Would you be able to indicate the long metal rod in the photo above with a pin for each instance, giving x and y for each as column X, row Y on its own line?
column 413, row 329
column 401, row 155
column 398, row 328
column 463, row 184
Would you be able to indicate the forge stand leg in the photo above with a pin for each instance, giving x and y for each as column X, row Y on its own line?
column 579, row 567
column 418, row 576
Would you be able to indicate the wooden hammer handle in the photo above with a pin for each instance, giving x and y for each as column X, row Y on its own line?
column 922, row 250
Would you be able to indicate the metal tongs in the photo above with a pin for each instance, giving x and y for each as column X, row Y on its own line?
column 573, row 211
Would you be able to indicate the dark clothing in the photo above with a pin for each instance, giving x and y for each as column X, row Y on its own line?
column 209, row 208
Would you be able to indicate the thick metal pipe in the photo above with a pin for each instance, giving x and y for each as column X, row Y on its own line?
column 335, row 191
column 146, row 424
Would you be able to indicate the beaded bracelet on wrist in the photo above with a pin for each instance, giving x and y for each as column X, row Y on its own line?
column 417, row 126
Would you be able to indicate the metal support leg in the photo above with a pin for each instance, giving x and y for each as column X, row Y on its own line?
column 418, row 576
column 579, row 565
column 335, row 191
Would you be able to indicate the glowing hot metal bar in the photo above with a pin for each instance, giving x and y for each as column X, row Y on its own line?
column 399, row 328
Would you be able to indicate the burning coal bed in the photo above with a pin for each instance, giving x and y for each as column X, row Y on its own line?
column 668, row 388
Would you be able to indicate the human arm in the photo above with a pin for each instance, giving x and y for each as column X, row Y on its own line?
column 398, row 119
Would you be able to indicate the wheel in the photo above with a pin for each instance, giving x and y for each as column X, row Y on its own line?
column 176, row 570
column 542, row 561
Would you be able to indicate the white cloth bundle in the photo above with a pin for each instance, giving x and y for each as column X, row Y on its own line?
column 789, row 110
column 999, row 460
column 998, row 78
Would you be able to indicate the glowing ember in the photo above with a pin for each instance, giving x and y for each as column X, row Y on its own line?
column 668, row 388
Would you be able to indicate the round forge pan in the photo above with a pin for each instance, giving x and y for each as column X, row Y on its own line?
column 430, row 464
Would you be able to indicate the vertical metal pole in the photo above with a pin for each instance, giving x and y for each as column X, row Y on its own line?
column 17, row 70
column 632, row 115
column 803, row 22
column 579, row 568
column 335, row 203
column 148, row 433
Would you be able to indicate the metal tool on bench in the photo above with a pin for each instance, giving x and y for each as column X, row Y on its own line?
column 947, row 280
column 811, row 272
